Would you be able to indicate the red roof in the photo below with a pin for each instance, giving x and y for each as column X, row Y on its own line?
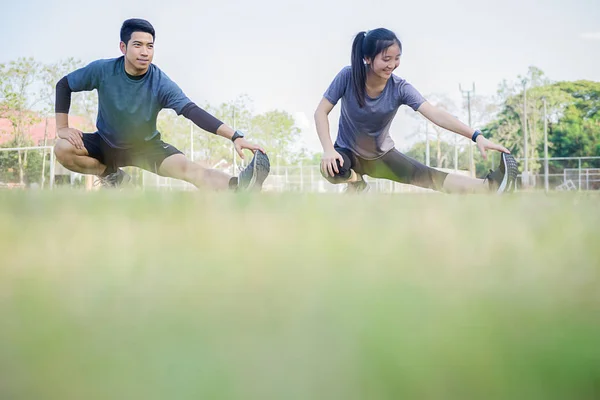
column 36, row 131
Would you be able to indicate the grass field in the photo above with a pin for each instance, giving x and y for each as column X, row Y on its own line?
column 132, row 295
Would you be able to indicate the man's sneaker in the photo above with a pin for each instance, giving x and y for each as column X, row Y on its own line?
column 115, row 179
column 357, row 187
column 253, row 176
column 503, row 179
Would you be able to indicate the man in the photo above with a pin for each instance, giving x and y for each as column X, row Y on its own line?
column 131, row 92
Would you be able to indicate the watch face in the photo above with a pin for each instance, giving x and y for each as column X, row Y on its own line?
column 237, row 135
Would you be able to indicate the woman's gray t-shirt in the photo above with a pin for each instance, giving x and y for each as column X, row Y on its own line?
column 366, row 131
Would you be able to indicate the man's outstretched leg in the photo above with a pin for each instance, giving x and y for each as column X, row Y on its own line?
column 251, row 178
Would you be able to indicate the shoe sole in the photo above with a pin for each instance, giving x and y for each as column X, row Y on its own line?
column 511, row 171
column 260, row 171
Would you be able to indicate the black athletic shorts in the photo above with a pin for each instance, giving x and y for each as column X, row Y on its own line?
column 148, row 155
column 393, row 165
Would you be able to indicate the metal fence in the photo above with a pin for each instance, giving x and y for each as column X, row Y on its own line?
column 38, row 168
column 304, row 179
column 563, row 173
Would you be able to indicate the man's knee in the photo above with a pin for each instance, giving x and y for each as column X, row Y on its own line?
column 64, row 151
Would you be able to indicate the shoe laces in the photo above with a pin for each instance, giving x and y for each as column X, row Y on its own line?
column 107, row 180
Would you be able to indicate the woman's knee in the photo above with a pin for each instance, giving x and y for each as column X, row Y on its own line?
column 338, row 177
column 344, row 171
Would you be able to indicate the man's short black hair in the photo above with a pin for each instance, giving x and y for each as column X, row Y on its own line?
column 135, row 25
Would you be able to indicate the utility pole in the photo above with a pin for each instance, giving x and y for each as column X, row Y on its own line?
column 467, row 94
column 456, row 151
column 234, row 164
column 525, row 135
column 546, row 184
column 426, row 144
column 191, row 141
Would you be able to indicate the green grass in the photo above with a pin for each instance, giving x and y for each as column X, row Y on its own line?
column 130, row 295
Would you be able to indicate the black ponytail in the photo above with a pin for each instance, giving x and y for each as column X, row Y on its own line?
column 359, row 72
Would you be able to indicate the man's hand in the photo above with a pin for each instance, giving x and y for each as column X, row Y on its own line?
column 241, row 144
column 74, row 136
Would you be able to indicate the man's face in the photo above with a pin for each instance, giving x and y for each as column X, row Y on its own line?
column 139, row 52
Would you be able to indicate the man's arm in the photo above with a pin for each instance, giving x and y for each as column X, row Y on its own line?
column 204, row 120
column 61, row 108
column 63, row 96
column 209, row 123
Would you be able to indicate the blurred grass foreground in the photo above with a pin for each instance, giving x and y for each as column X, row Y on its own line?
column 142, row 295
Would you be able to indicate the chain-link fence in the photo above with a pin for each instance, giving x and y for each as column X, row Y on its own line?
column 27, row 167
column 36, row 167
column 301, row 178
column 564, row 173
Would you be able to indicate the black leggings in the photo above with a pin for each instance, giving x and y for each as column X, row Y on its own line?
column 393, row 165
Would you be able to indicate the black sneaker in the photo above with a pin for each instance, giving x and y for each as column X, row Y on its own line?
column 503, row 179
column 253, row 176
column 115, row 179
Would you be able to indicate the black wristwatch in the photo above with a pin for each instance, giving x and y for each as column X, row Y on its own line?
column 475, row 134
column 237, row 135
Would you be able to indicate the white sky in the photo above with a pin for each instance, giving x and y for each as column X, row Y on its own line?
column 284, row 54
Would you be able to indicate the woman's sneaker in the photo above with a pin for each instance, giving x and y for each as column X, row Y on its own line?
column 357, row 187
column 504, row 178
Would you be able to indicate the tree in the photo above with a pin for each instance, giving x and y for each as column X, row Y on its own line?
column 482, row 111
column 305, row 157
column 84, row 104
column 572, row 112
column 238, row 115
column 17, row 99
column 418, row 151
column 276, row 130
column 10, row 171
column 574, row 129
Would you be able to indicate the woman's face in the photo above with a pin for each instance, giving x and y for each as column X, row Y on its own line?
column 386, row 62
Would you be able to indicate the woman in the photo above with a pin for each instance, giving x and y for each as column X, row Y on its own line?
column 371, row 96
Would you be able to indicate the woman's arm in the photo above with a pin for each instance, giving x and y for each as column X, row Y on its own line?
column 447, row 121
